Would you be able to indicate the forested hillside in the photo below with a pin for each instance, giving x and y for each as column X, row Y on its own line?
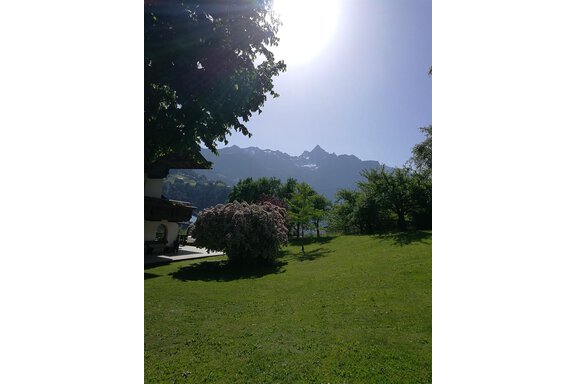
column 187, row 185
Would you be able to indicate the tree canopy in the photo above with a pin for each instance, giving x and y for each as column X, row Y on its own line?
column 389, row 200
column 392, row 191
column 421, row 158
column 251, row 190
column 301, row 204
column 207, row 68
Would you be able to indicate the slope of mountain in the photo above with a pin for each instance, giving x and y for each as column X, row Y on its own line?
column 186, row 185
column 325, row 172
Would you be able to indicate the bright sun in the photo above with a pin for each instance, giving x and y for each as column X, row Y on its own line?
column 307, row 27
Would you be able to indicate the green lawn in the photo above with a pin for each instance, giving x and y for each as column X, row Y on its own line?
column 354, row 309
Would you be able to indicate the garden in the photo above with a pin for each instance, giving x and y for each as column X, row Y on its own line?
column 350, row 309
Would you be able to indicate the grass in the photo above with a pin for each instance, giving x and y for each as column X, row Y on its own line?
column 353, row 309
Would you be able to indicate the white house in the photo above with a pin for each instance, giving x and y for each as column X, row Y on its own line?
column 162, row 217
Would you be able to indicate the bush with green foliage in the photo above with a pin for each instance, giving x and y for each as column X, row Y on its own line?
column 247, row 233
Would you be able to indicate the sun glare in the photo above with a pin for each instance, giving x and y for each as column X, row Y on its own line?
column 307, row 28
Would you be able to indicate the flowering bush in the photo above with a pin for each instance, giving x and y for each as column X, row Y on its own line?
column 272, row 200
column 247, row 233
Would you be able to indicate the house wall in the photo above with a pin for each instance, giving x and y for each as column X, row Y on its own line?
column 153, row 187
column 150, row 230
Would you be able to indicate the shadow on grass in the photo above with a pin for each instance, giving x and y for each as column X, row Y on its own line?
column 308, row 255
column 314, row 254
column 155, row 264
column 150, row 275
column 224, row 271
column 310, row 251
column 312, row 240
column 406, row 238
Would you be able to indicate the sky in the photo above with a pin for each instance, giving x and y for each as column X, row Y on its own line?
column 365, row 91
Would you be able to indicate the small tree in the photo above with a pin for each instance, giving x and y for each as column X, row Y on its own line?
column 302, row 209
column 247, row 233
column 421, row 162
column 422, row 197
column 321, row 206
column 421, row 159
column 343, row 215
column 392, row 191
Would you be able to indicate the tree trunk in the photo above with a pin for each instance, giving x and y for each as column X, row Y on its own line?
column 401, row 221
column 297, row 230
column 318, row 228
column 302, row 238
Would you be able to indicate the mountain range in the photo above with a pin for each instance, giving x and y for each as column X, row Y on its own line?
column 325, row 172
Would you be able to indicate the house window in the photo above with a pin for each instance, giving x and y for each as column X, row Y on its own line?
column 161, row 233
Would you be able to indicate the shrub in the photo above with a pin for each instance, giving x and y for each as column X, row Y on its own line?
column 247, row 233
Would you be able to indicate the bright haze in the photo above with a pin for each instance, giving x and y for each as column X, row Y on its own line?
column 357, row 79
